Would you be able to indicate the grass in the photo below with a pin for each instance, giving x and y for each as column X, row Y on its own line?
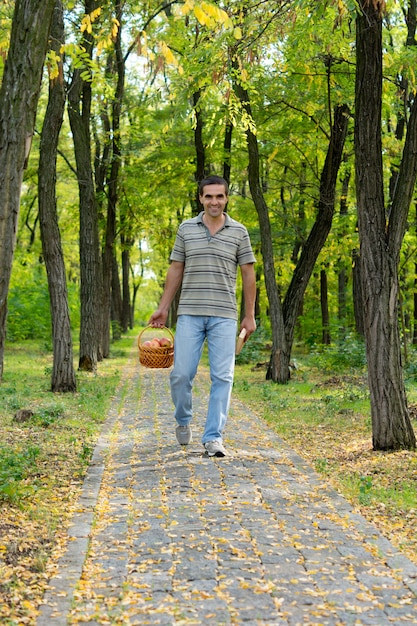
column 42, row 465
column 325, row 417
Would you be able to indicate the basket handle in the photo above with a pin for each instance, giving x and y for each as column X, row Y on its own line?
column 157, row 328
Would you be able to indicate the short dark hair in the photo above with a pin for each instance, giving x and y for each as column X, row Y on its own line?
column 213, row 180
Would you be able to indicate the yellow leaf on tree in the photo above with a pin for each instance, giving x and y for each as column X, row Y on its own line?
column 86, row 24
column 95, row 14
column 187, row 7
column 202, row 17
column 87, row 21
column 244, row 75
column 168, row 55
column 212, row 11
column 101, row 45
column 219, row 15
column 237, row 33
column 115, row 28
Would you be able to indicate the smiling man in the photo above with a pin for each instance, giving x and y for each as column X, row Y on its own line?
column 207, row 253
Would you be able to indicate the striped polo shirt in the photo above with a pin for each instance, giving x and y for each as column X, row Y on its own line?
column 210, row 266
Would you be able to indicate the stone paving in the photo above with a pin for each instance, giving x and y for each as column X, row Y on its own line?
column 166, row 536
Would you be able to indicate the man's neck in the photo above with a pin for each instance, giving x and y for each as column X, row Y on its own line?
column 214, row 223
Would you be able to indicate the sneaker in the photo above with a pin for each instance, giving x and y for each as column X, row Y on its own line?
column 184, row 435
column 215, row 448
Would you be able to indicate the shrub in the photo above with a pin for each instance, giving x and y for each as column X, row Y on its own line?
column 15, row 466
column 349, row 354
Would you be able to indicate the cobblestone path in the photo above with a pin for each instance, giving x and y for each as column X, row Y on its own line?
column 165, row 536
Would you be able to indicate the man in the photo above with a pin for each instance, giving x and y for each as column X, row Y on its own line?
column 207, row 252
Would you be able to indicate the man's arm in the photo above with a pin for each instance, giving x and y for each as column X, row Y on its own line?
column 172, row 283
column 249, row 295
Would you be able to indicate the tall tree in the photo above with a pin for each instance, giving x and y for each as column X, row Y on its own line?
column 284, row 317
column 19, row 96
column 115, row 65
column 381, row 237
column 63, row 375
column 79, row 110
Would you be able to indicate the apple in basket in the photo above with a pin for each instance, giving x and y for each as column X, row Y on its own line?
column 151, row 343
column 164, row 342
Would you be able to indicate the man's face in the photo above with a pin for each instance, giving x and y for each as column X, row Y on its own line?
column 214, row 199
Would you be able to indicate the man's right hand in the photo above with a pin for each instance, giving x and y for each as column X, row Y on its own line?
column 158, row 319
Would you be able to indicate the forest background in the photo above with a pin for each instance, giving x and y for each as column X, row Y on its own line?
column 137, row 101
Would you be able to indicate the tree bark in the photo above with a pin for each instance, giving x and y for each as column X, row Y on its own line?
column 411, row 21
column 79, row 109
column 380, row 241
column 63, row 374
column 414, row 339
column 342, row 277
column 112, row 180
column 116, row 301
column 301, row 225
column 357, row 292
column 324, row 304
column 227, row 151
column 414, row 320
column 19, row 96
column 200, row 151
column 127, row 321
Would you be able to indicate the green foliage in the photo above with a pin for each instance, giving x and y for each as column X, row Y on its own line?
column 410, row 367
column 15, row 466
column 47, row 416
column 29, row 314
column 6, row 12
column 297, row 61
column 365, row 486
column 29, row 311
column 10, row 399
column 347, row 355
column 322, row 466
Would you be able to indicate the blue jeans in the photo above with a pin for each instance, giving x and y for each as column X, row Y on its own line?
column 190, row 334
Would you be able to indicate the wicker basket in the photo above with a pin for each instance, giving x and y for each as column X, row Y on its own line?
column 156, row 356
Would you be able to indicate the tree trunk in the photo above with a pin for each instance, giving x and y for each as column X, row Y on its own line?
column 116, row 301
column 19, row 96
column 200, row 151
column 324, row 302
column 321, row 227
column 79, row 109
column 301, row 225
column 63, row 374
column 342, row 281
column 380, row 242
column 342, row 278
column 280, row 356
column 126, row 304
column 357, row 292
column 227, row 151
column 414, row 339
column 411, row 21
column 283, row 319
column 117, row 64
